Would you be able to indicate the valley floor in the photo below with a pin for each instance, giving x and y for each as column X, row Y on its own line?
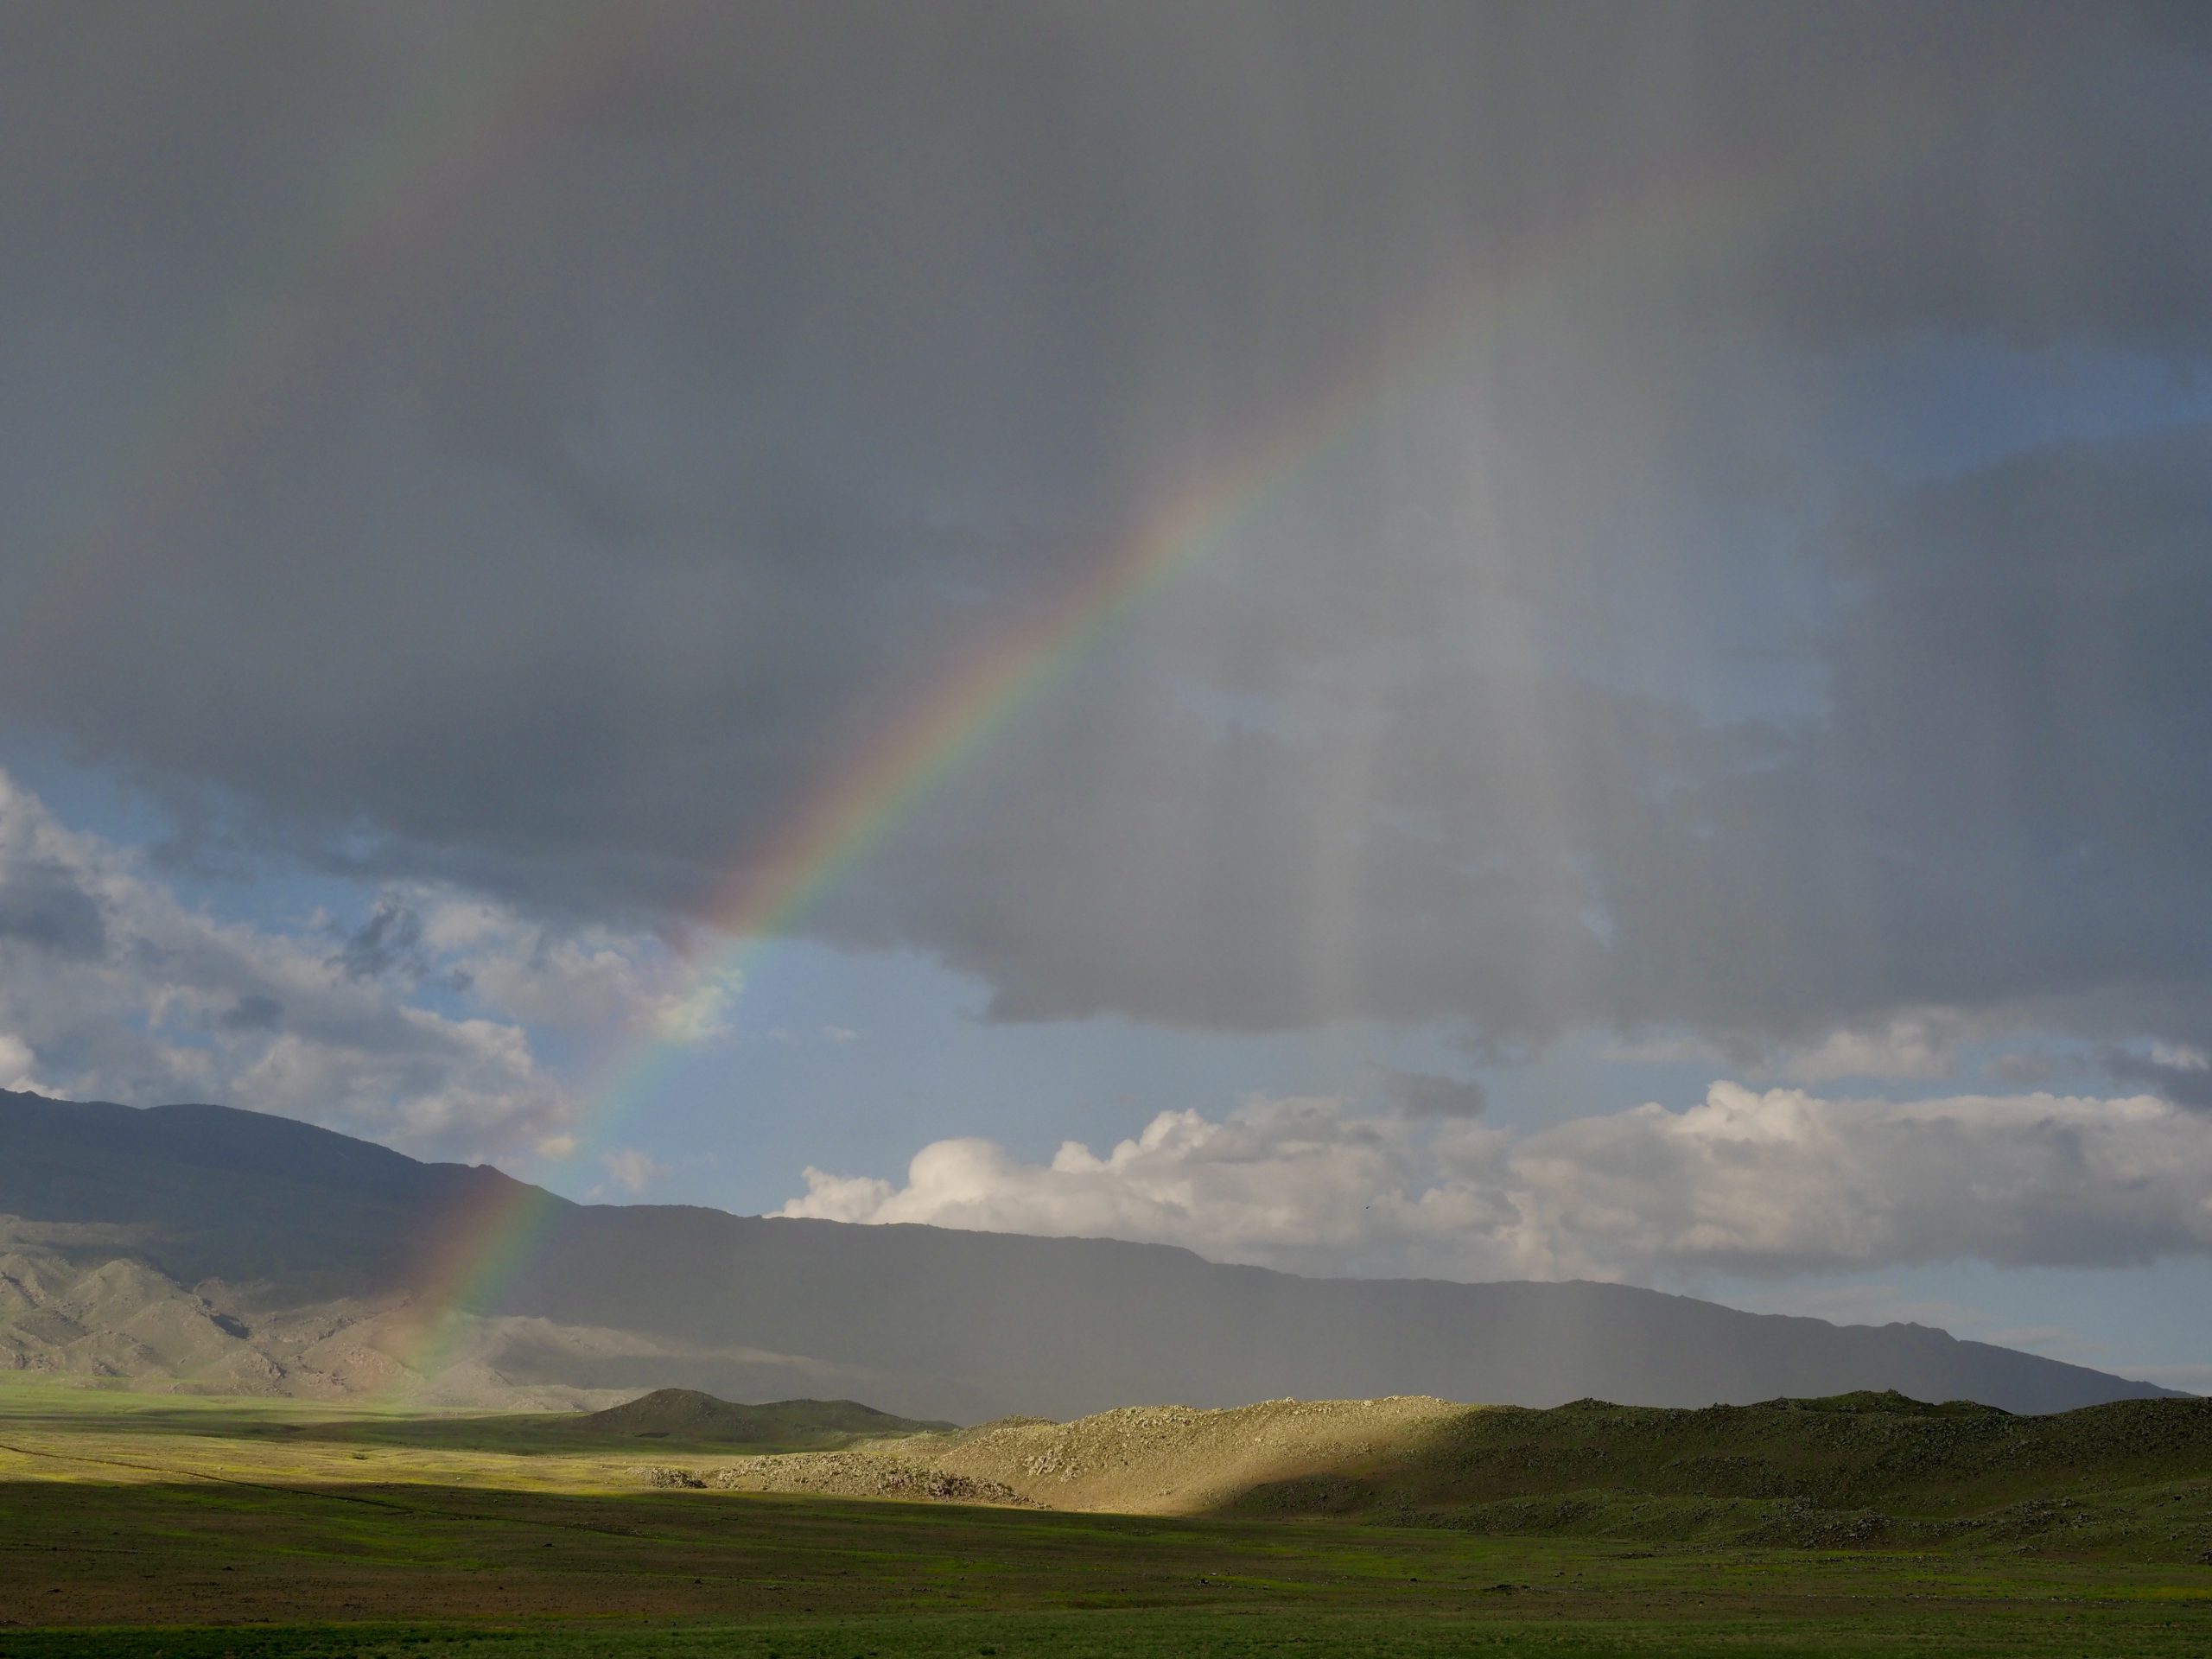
column 189, row 1528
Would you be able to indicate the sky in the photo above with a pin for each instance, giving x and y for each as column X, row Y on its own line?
column 1487, row 641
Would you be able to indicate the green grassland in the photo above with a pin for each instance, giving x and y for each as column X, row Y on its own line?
column 2131, row 1480
column 139, row 1526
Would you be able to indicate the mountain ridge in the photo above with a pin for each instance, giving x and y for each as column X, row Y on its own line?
column 927, row 1322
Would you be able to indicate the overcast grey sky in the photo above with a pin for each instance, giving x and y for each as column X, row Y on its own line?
column 475, row 475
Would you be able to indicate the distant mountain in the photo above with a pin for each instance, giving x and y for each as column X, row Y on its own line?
column 278, row 1227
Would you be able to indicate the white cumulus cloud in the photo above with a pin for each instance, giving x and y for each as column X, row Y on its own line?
column 15, row 1063
column 1744, row 1180
column 1915, row 1047
column 111, row 987
column 591, row 977
column 631, row 1170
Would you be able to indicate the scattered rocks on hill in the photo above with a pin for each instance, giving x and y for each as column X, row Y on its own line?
column 664, row 1475
column 1137, row 1458
column 838, row 1474
column 1179, row 1457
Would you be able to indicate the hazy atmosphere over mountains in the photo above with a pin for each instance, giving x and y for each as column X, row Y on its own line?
column 1501, row 641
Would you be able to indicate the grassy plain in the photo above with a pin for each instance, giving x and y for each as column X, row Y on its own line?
column 139, row 1526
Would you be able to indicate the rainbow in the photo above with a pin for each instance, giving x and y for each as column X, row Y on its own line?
column 425, row 166
column 476, row 1253
column 878, row 787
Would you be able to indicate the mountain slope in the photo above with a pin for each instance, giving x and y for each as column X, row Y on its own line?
column 926, row 1322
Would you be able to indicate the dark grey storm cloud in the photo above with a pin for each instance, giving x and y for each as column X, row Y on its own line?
column 253, row 1011
column 537, row 446
column 2009, row 798
column 1425, row 1094
column 392, row 937
column 2184, row 1086
column 41, row 905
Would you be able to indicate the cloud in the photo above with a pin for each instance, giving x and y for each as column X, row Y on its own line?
column 110, row 988
column 1745, row 1182
column 2002, row 812
column 253, row 1011
column 1662, row 1048
column 2180, row 1076
column 1782, row 1181
column 577, row 978
column 1424, row 1093
column 386, row 941
column 631, row 1170
column 1915, row 1047
column 1277, row 1180
column 698, row 1012
column 42, row 906
column 16, row 1062
column 620, row 559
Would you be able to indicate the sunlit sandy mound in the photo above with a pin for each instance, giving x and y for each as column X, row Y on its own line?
column 1163, row 1460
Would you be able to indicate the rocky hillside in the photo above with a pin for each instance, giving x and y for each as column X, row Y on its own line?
column 79, row 1300
column 83, row 1301
column 1141, row 1459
